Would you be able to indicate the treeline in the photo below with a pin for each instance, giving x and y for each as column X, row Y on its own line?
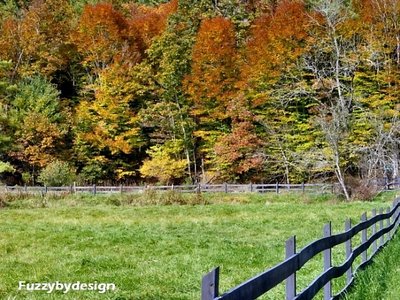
column 184, row 91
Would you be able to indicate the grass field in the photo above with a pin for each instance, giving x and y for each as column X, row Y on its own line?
column 381, row 279
column 160, row 251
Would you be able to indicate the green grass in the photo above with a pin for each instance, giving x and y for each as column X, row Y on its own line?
column 381, row 279
column 160, row 251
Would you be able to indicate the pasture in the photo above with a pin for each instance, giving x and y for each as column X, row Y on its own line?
column 381, row 280
column 151, row 250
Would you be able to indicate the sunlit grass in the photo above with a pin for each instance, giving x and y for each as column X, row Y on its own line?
column 381, row 279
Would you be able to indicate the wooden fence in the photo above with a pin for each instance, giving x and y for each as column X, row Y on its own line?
column 286, row 270
column 211, row 188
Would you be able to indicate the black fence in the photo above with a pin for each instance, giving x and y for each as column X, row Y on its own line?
column 286, row 270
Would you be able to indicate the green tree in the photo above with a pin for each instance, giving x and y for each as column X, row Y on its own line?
column 57, row 173
column 7, row 89
column 168, row 62
column 41, row 123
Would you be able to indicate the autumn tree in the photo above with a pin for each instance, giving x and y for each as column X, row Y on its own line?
column 239, row 154
column 377, row 86
column 7, row 89
column 41, row 125
column 167, row 63
column 214, row 69
column 272, row 82
column 112, row 45
column 102, row 37
column 164, row 163
column 106, row 127
column 37, row 41
column 211, row 83
column 150, row 22
column 331, row 60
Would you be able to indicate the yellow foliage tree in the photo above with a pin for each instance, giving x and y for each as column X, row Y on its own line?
column 163, row 163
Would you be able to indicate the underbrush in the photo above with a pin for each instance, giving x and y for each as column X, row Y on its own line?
column 166, row 198
column 149, row 197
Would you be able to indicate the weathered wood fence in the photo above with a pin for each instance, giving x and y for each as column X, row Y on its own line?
column 211, row 188
column 286, row 270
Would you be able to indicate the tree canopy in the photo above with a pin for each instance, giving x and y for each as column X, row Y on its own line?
column 189, row 91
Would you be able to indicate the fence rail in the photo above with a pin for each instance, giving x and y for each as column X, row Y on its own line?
column 286, row 270
column 384, row 184
column 210, row 188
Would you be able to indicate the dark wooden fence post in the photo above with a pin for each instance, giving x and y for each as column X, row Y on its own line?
column 209, row 285
column 225, row 187
column 396, row 201
column 251, row 187
column 303, row 188
column 277, row 187
column 349, row 250
column 364, row 238
column 291, row 280
column 94, row 189
column 327, row 262
column 387, row 224
column 381, row 240
column 374, row 243
column 393, row 219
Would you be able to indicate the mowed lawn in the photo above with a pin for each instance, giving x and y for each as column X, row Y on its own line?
column 160, row 251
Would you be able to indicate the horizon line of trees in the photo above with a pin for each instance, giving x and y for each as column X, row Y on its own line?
column 213, row 91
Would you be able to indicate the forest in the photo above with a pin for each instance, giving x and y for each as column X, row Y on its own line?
column 199, row 91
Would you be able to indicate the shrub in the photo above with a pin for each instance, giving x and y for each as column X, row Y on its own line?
column 57, row 173
column 361, row 189
column 6, row 167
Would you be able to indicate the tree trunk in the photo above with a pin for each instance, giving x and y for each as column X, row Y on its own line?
column 341, row 180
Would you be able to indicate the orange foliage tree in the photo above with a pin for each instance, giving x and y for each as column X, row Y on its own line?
column 103, row 36
column 214, row 69
column 38, row 43
column 150, row 22
column 211, row 83
column 276, row 41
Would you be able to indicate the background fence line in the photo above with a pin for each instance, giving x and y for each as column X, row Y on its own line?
column 383, row 184
column 286, row 270
column 211, row 188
